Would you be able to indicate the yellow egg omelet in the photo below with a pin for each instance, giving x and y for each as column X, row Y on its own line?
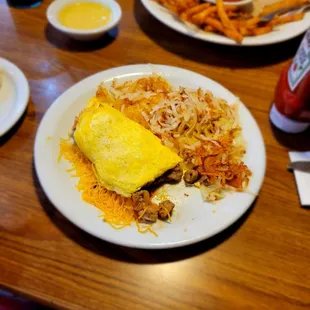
column 125, row 155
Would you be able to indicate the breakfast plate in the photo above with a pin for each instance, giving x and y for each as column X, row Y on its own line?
column 14, row 95
column 193, row 219
column 279, row 34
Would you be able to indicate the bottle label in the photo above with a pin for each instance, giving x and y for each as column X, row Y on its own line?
column 284, row 123
column 301, row 63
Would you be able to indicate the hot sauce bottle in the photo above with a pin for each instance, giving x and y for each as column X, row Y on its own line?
column 291, row 109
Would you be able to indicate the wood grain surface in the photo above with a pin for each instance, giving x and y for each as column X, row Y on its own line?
column 261, row 262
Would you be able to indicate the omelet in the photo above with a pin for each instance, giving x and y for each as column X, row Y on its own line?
column 126, row 156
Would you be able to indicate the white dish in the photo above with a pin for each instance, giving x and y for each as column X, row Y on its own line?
column 279, row 34
column 14, row 95
column 194, row 220
column 84, row 35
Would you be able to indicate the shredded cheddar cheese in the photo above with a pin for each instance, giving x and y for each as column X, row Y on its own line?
column 117, row 210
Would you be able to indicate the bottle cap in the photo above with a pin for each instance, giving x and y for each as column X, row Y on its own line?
column 284, row 123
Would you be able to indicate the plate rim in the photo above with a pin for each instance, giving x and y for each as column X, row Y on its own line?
column 18, row 75
column 222, row 40
column 135, row 69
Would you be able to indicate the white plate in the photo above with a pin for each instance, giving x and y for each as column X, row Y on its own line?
column 194, row 220
column 14, row 95
column 279, row 34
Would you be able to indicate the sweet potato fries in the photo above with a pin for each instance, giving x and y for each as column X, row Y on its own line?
column 230, row 20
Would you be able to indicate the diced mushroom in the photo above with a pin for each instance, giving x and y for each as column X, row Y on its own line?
column 175, row 174
column 150, row 214
column 191, row 176
column 140, row 200
column 141, row 197
column 146, row 211
column 165, row 209
column 171, row 176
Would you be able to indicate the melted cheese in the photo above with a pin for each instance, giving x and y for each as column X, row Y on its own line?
column 84, row 15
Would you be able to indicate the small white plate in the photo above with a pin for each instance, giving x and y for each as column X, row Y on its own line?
column 194, row 220
column 14, row 95
column 279, row 34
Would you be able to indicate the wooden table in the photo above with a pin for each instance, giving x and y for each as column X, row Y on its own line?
column 261, row 262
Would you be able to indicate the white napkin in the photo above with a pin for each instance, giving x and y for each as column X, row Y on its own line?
column 302, row 178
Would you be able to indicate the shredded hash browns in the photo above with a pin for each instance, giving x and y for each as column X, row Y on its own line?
column 202, row 129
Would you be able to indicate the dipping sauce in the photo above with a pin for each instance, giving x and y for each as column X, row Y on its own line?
column 85, row 15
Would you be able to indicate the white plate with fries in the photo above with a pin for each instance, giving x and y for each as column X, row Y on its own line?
column 281, row 29
column 193, row 219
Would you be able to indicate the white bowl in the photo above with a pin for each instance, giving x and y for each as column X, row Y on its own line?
column 55, row 7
